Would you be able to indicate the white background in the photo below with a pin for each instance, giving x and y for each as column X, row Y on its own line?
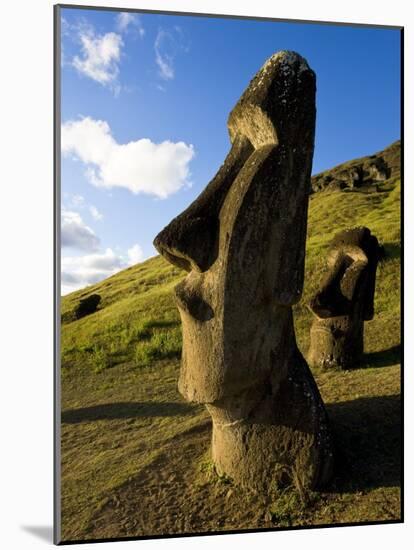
column 26, row 281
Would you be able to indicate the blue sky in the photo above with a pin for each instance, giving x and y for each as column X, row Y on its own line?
column 144, row 103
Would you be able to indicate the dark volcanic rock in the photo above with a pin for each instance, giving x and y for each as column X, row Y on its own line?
column 243, row 243
column 87, row 306
column 345, row 300
column 361, row 173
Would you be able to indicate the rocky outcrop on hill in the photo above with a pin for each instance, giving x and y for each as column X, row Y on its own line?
column 365, row 172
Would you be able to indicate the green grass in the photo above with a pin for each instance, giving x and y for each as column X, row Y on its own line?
column 132, row 448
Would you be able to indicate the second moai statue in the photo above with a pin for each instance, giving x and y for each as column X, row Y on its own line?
column 242, row 242
column 345, row 300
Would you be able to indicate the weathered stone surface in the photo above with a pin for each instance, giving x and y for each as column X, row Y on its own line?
column 243, row 243
column 87, row 306
column 345, row 300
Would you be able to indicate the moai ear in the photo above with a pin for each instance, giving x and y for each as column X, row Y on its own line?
column 352, row 280
column 190, row 240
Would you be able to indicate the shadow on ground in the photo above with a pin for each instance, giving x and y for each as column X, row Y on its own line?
column 383, row 358
column 111, row 411
column 367, row 435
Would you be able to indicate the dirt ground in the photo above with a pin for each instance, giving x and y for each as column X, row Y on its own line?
column 179, row 492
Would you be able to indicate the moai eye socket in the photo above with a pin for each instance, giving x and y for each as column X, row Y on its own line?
column 190, row 301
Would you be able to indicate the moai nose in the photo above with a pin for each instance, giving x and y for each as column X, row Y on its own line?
column 190, row 240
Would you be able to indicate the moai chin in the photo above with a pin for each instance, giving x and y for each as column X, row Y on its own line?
column 345, row 300
column 242, row 242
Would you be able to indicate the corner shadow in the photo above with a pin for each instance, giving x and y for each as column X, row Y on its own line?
column 367, row 436
column 112, row 411
column 383, row 358
column 43, row 532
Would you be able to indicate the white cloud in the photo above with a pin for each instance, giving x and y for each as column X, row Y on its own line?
column 73, row 201
column 77, row 201
column 90, row 140
column 135, row 254
column 167, row 45
column 76, row 234
column 100, row 56
column 126, row 20
column 81, row 271
column 64, row 27
column 96, row 215
column 140, row 166
column 164, row 54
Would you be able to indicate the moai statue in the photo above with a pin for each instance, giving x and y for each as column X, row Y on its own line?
column 242, row 242
column 345, row 300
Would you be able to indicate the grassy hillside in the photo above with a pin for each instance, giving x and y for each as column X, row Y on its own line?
column 135, row 457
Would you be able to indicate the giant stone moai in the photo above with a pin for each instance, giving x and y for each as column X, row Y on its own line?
column 345, row 300
column 242, row 242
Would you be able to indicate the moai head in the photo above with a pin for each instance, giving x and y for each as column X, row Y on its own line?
column 345, row 300
column 242, row 241
column 349, row 286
